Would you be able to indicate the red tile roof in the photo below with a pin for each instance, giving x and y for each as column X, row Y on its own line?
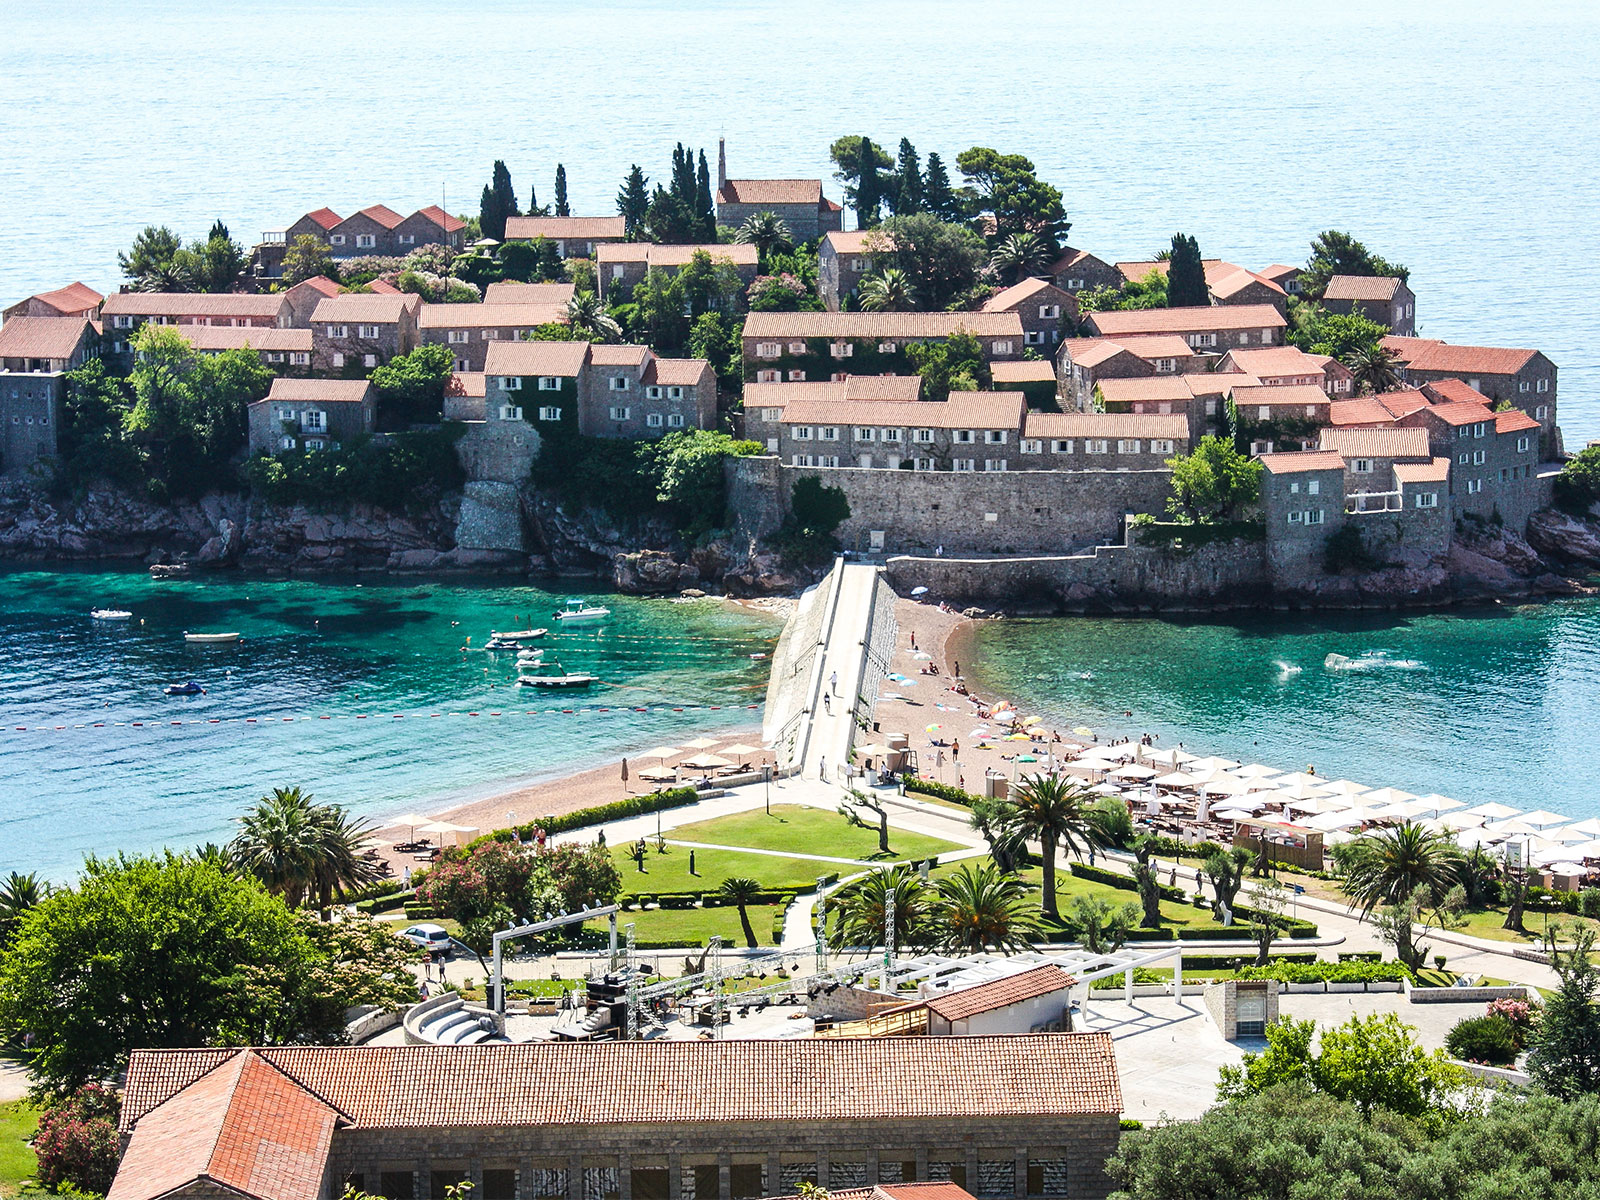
column 1469, row 360
column 1402, row 403
column 467, row 383
column 1364, row 410
column 1149, row 387
column 1218, row 383
column 42, row 337
column 1457, row 415
column 382, row 214
column 676, row 372
column 1071, row 258
column 319, row 391
column 557, row 229
column 1308, row 394
column 325, row 217
column 1019, row 293
column 378, row 308
column 771, row 191
column 1435, row 470
column 1513, row 421
column 509, row 292
column 1361, row 287
column 194, row 304
column 317, row 283
column 1305, row 460
column 382, row 287
column 441, row 218
column 656, row 1082
column 782, row 325
column 619, row 356
column 1404, row 442
column 1405, row 348
column 1000, row 993
column 1278, row 272
column 853, row 241
column 244, row 1125
column 1274, row 361
column 1171, row 426
column 74, row 298
column 563, row 359
column 1202, row 318
column 1029, row 370
column 1453, row 391
column 1223, row 284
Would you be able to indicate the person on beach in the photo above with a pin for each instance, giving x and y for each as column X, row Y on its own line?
column 833, row 683
column 913, row 639
column 956, row 663
column 955, row 749
column 691, row 862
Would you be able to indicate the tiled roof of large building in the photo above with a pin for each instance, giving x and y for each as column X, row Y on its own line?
column 1457, row 415
column 1027, row 370
column 1018, row 293
column 1435, row 470
column 1468, row 360
column 243, row 1124
column 852, row 241
column 1274, row 361
column 41, row 337
column 1070, row 258
column 1513, row 421
column 583, row 229
column 770, row 191
column 1361, row 287
column 74, row 298
column 320, row 391
column 740, row 254
column 1000, row 993
column 676, row 372
column 559, row 359
column 1219, row 383
column 1200, row 318
column 1224, row 283
column 1304, row 460
column 382, row 214
column 441, row 218
column 375, row 307
column 257, row 337
column 489, row 316
column 325, row 217
column 1148, row 387
column 192, row 304
column 619, row 356
column 964, row 410
column 780, row 325
column 619, row 1083
column 1092, row 351
column 851, row 387
column 1407, row 442
column 1364, row 410
column 1454, row 391
column 510, row 292
column 1296, row 393
column 1172, row 427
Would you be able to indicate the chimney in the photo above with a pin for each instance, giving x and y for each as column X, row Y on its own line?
column 722, row 163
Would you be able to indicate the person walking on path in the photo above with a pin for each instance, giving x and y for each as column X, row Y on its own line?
column 827, row 703
column 833, row 683
column 691, row 862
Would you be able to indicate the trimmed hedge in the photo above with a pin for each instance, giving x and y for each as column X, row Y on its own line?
column 1125, row 882
column 1327, row 972
column 943, row 791
column 386, row 901
column 617, row 810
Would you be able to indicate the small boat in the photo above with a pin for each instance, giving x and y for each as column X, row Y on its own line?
column 499, row 643
column 169, row 570
column 529, row 656
column 210, row 639
column 568, row 680
column 110, row 614
column 185, row 689
column 518, row 635
column 582, row 612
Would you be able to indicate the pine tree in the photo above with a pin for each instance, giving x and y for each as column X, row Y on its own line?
column 633, row 201
column 705, row 207
column 937, row 197
column 561, row 192
column 907, row 197
column 1186, row 274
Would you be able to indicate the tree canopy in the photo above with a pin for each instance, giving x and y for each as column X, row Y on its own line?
column 953, row 365
column 861, row 165
column 1186, row 274
column 158, row 261
column 1335, row 253
column 1213, row 482
column 941, row 260
column 498, row 202
column 411, row 386
column 1007, row 189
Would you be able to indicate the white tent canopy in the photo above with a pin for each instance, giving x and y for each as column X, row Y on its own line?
column 1543, row 818
column 1346, row 787
column 1495, row 812
column 1212, row 764
column 1387, row 795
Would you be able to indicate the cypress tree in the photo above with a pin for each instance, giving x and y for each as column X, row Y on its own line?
column 1186, row 274
column 561, row 192
column 504, row 196
column 633, row 201
column 705, row 207
column 869, row 185
column 683, row 176
column 937, row 197
column 491, row 218
column 908, row 181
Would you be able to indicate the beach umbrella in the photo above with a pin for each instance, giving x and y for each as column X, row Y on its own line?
column 706, row 762
column 1226, row 785
column 922, row 656
column 1387, row 795
column 1315, row 804
column 1567, row 835
column 1134, row 771
column 1565, row 868
column 443, row 827
column 1018, row 737
column 1256, row 771
column 701, row 743
column 662, row 752
column 658, row 774
column 1590, row 827
column 409, row 820
column 1324, row 822
column 1083, row 731
column 1513, row 828
column 1021, row 758
column 1445, row 804
column 1166, row 758
column 1232, row 814
column 1038, row 731
column 932, row 728
column 919, row 591
column 1457, row 820
column 1309, row 780
column 740, row 749
column 1542, row 818
column 1585, row 849
column 1495, row 812
column 1212, row 764
column 870, row 750
column 1409, row 809
column 1106, row 789
column 1176, row 779
column 1346, row 787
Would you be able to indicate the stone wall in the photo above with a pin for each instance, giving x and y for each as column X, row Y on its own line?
column 498, row 451
column 1222, row 1002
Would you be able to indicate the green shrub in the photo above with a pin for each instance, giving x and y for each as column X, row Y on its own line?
column 600, row 814
column 943, row 791
column 1589, row 902
column 1361, row 956
column 1118, row 880
column 400, row 472
column 1285, row 970
column 1486, row 1039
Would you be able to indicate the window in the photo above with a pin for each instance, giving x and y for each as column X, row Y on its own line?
column 1542, row 413
column 827, row 433
column 510, row 412
column 1047, row 1176
column 284, row 443
column 276, row 357
column 1542, row 386
column 1522, row 443
column 838, row 377
column 493, row 335
column 1314, row 487
column 652, row 392
column 962, row 436
column 767, row 376
column 1477, row 430
column 396, row 1185
column 406, row 239
column 994, row 464
column 842, row 349
column 797, row 376
column 499, row 1183
column 619, row 413
column 511, row 383
column 367, row 331
column 827, row 460
column 1201, row 339
column 1478, row 458
column 768, row 349
column 922, row 464
column 1049, row 312
column 964, row 464
column 866, row 435
column 674, row 393
column 1160, row 446
column 1361, row 466
column 122, row 322
column 314, row 421
column 1061, row 446
column 994, row 437
column 369, row 360
column 1464, row 458
column 1474, row 486
column 1294, row 488
column 1030, row 338
column 1032, row 446
column 1502, row 474
column 549, row 383
column 549, row 414
column 1263, row 412
column 1096, row 446
column 922, row 436
column 338, row 360
column 1523, row 386
column 1166, row 366
column 619, row 383
column 455, row 337
column 890, row 435
column 365, row 241
column 1001, row 348
column 885, row 347
column 801, row 433
column 1128, row 446
column 772, row 414
column 674, row 420
column 1314, row 516
column 338, row 331
column 858, row 265
column 1427, row 499
column 1244, row 338
column 336, row 240
column 653, row 420
column 299, row 358
column 794, row 348
column 1266, row 337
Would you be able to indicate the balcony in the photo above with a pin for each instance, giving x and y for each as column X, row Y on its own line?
column 1374, row 502
column 274, row 237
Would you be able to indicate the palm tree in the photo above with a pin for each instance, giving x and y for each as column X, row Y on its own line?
column 889, row 291
column 978, row 909
column 1389, row 866
column 995, row 821
column 766, row 231
column 741, row 892
column 1020, row 256
column 340, row 865
column 1055, row 811
column 859, row 911
column 1376, row 368
column 588, row 316
column 18, row 894
column 298, row 848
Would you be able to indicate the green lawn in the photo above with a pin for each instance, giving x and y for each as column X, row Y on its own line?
column 695, row 926
column 668, row 871
column 801, row 830
column 18, row 1120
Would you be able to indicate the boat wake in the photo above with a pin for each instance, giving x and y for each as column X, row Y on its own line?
column 1286, row 671
column 1372, row 660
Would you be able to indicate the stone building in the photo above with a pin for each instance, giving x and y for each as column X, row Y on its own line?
column 1206, row 328
column 1379, row 298
column 1278, row 418
column 311, row 414
column 469, row 329
column 1082, row 363
column 509, row 291
column 1025, row 1002
column 971, row 431
column 1524, row 378
column 304, row 297
column 1281, row 366
column 124, row 312
column 35, row 352
column 1043, row 308
column 1226, row 283
column 798, row 346
column 764, row 403
column 377, row 229
column 74, row 300
column 1101, row 441
column 283, row 351
column 359, row 331
column 1079, row 271
column 1013, row 1118
column 1035, row 378
column 843, row 261
column 621, row 266
column 799, row 202
column 575, row 237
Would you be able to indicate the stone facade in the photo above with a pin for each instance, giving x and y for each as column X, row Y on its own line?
column 311, row 414
column 1381, row 299
column 1082, row 363
column 35, row 354
column 1242, row 1008
column 1079, row 271
column 1206, row 328
column 469, row 329
column 1524, row 378
column 357, row 332
column 1043, row 308
column 622, row 267
column 842, row 263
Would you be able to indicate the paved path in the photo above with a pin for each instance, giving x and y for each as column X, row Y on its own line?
column 838, row 678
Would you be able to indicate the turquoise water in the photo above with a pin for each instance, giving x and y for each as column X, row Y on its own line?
column 356, row 653
column 1456, row 136
column 1497, row 704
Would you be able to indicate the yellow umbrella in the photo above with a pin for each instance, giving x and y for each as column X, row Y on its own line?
column 1038, row 731
column 1083, row 731
column 1017, row 737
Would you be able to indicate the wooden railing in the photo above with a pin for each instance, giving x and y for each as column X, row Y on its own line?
column 908, row 1020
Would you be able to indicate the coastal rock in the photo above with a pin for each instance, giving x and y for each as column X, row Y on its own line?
column 1565, row 538
column 650, row 572
column 766, row 574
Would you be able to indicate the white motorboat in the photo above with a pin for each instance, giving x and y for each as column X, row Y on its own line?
column 582, row 612
column 110, row 614
column 210, row 639
column 518, row 635
column 529, row 656
column 569, row 680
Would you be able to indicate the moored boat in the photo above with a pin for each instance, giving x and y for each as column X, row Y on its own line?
column 191, row 688
column 569, row 680
column 110, row 614
column 518, row 635
column 210, row 639
column 169, row 570
column 582, row 612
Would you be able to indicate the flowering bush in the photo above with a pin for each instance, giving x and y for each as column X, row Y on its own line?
column 777, row 293
column 1522, row 1014
column 77, row 1142
column 433, row 259
column 437, row 289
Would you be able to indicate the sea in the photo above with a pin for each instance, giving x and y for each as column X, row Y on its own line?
column 373, row 694
column 1455, row 137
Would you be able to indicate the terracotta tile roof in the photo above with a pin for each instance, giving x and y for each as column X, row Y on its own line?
column 771, row 191
column 509, row 292
column 377, row 308
column 467, row 383
column 902, row 388
column 588, row 1083
column 1454, row 391
column 257, row 337
column 1402, row 403
column 781, row 325
column 652, row 255
column 899, row 1191
column 1513, row 421
column 1361, row 287
column 489, row 316
column 1457, row 415
column 321, row 391
column 1304, row 460
column 1274, row 361
column 1364, row 410
column 581, row 229
column 1203, row 318
column 74, row 298
column 1092, row 351
column 1071, row 258
column 383, row 287
column 1230, row 283
column 1152, row 387
column 42, row 337
column 619, row 356
column 1278, row 272
column 245, row 1125
column 1294, row 394
column 1435, row 470
column 325, row 217
column 1029, row 370
column 441, row 218
column 676, row 372
column 1469, row 360
column 964, row 410
column 1134, row 272
column 1174, row 427
column 852, row 241
column 1020, row 293
column 564, row 359
column 193, row 304
column 1404, row 348
column 317, row 283
column 1219, row 383
column 382, row 214
column 1156, row 345
column 1405, row 442
column 1000, row 993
